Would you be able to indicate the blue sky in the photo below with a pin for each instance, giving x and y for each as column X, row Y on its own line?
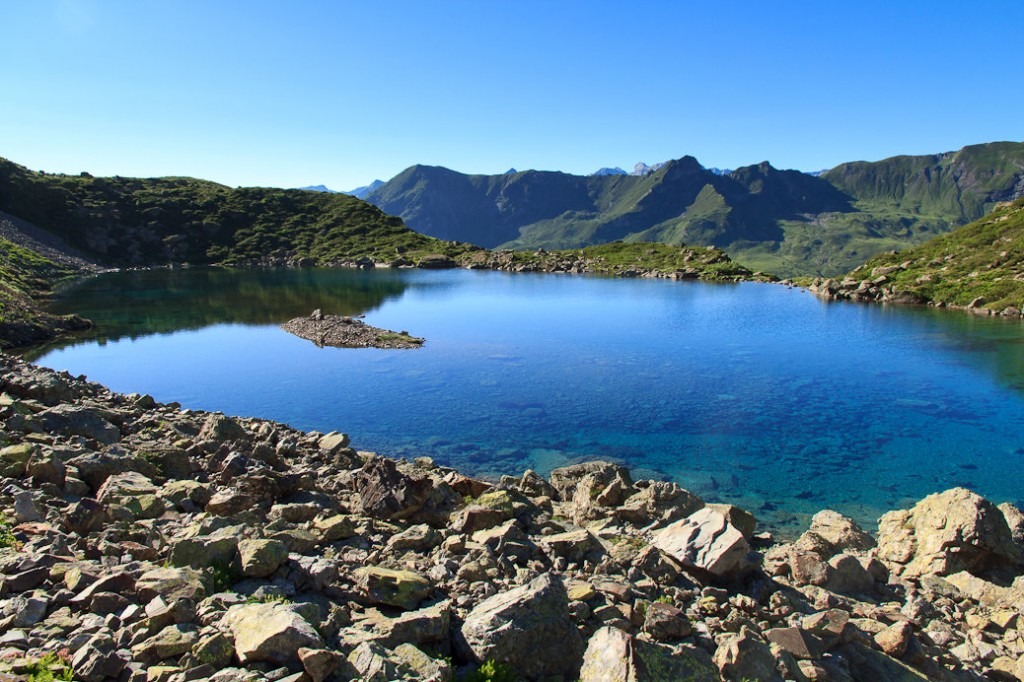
column 296, row 93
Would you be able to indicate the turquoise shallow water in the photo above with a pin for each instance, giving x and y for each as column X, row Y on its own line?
column 754, row 394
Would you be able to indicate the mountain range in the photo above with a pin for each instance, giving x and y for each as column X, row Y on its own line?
column 783, row 221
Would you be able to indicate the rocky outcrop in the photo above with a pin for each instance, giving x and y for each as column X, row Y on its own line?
column 347, row 332
column 945, row 533
column 190, row 545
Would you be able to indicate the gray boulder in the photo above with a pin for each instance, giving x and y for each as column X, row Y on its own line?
column 527, row 628
column 616, row 656
column 270, row 632
column 706, row 541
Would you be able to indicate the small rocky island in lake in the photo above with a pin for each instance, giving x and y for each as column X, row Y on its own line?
column 347, row 332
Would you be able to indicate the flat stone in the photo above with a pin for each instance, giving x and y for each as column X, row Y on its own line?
column 404, row 589
column 706, row 541
column 270, row 632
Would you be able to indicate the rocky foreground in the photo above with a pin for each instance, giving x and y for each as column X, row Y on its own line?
column 146, row 542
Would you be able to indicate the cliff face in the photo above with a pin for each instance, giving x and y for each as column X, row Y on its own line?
column 138, row 535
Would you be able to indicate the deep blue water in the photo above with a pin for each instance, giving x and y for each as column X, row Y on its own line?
column 754, row 394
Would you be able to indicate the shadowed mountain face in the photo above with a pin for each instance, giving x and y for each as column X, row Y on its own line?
column 784, row 221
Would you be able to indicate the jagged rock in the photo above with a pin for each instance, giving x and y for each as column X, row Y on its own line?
column 565, row 479
column 656, row 565
column 80, row 421
column 186, row 495
column 387, row 493
column 334, row 528
column 260, row 558
column 419, row 538
column 171, row 584
column 270, row 632
column 745, row 656
column 97, row 660
column 841, row 532
column 219, row 428
column 373, row 663
column 47, row 467
column 945, row 533
column 706, row 541
column 426, row 626
column 573, row 545
column 95, row 467
column 848, row 575
column 659, row 501
column 319, row 664
column 404, row 589
column 665, row 622
column 202, row 551
column 615, row 656
column 868, row 664
column 14, row 459
column 1013, row 515
column 528, row 628
column 988, row 593
column 423, row 667
column 744, row 521
column 84, row 517
column 799, row 643
column 172, row 641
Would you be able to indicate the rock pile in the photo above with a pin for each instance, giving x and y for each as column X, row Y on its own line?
column 347, row 332
column 147, row 542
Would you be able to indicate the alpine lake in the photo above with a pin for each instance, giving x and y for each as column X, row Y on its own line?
column 754, row 394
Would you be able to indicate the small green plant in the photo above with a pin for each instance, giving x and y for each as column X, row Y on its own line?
column 7, row 538
column 665, row 599
column 267, row 599
column 492, row 671
column 223, row 576
column 51, row 667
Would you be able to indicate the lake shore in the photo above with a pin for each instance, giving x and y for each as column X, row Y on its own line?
column 139, row 535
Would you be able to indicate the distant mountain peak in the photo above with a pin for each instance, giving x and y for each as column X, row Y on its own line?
column 609, row 171
column 642, row 168
column 319, row 188
column 361, row 192
column 511, row 171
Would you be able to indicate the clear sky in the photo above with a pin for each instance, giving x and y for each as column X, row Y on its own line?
column 297, row 92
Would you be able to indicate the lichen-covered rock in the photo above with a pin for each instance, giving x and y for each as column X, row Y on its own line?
column 404, row 589
column 841, row 532
column 387, row 493
column 260, row 558
column 745, row 656
column 527, row 628
column 947, row 532
column 615, row 656
column 270, row 632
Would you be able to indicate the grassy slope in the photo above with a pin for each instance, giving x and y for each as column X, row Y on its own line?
column 25, row 279
column 785, row 222
column 984, row 259
column 142, row 222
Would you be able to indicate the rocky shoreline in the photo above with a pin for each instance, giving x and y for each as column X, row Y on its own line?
column 875, row 287
column 342, row 331
column 142, row 541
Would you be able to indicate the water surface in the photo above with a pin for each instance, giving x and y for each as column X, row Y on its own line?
column 754, row 394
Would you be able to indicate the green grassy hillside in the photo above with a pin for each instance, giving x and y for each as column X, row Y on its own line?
column 979, row 265
column 785, row 222
column 26, row 278
column 152, row 221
